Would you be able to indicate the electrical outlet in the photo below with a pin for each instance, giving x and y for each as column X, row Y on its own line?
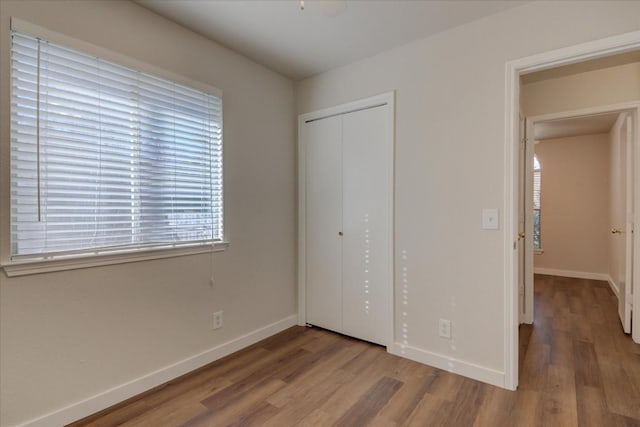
column 444, row 329
column 217, row 319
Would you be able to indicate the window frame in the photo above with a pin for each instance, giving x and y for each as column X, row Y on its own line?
column 15, row 266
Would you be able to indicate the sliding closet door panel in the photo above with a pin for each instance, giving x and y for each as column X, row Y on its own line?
column 366, row 193
column 324, row 223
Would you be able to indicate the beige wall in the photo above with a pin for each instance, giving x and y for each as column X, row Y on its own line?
column 449, row 165
column 589, row 89
column 574, row 203
column 67, row 336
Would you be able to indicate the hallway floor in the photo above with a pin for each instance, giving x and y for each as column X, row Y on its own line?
column 577, row 365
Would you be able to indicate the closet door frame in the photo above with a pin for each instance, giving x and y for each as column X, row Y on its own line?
column 385, row 99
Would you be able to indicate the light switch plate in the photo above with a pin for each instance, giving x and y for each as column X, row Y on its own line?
column 490, row 219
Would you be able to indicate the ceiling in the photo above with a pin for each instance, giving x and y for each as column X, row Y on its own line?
column 575, row 126
column 326, row 34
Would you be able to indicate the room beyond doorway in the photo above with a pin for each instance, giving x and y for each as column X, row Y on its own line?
column 589, row 205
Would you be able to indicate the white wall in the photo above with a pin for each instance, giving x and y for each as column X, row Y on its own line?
column 450, row 136
column 66, row 336
column 574, row 207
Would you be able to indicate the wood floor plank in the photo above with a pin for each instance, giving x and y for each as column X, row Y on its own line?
column 326, row 374
column 527, row 409
column 621, row 393
column 263, row 366
column 497, row 408
column 587, row 371
column 561, row 350
column 559, row 398
column 631, row 365
column 431, row 411
column 592, row 407
column 309, row 361
column 118, row 416
column 317, row 418
column 228, row 395
column 241, row 407
column 370, row 403
column 381, row 421
column 408, row 370
column 446, row 386
column 605, row 343
column 577, row 368
column 562, row 320
column 167, row 415
column 325, row 338
column 291, row 336
column 260, row 414
column 180, row 408
column 596, row 315
column 470, row 397
column 536, row 364
column 576, row 305
column 362, row 362
column 296, row 403
column 196, row 387
column 405, row 401
column 340, row 402
column 581, row 327
column 524, row 336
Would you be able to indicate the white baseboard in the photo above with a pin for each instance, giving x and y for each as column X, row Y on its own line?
column 614, row 286
column 450, row 364
column 141, row 384
column 570, row 273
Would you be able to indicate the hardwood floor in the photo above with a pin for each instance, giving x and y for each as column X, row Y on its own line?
column 577, row 367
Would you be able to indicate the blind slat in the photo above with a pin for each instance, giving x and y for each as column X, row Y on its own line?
column 104, row 156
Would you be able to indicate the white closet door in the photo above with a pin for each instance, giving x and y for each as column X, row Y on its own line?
column 366, row 240
column 324, row 222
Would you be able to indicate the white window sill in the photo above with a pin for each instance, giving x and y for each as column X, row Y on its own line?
column 26, row 267
column 538, row 251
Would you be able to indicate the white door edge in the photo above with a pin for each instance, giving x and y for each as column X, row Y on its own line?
column 629, row 167
column 528, row 224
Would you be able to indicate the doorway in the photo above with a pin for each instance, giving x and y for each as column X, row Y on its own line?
column 514, row 69
column 590, row 226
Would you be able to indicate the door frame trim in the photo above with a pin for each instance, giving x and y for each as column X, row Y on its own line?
column 387, row 98
column 513, row 69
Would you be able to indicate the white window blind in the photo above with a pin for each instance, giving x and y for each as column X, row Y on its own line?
column 537, row 235
column 106, row 159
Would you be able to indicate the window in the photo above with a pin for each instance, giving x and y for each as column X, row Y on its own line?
column 536, row 204
column 106, row 159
